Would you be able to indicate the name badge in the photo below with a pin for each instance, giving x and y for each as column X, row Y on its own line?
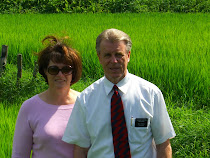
column 139, row 122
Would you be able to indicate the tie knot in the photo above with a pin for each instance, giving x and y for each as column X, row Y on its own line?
column 115, row 88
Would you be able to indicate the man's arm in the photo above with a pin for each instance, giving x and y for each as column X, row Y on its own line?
column 80, row 152
column 164, row 150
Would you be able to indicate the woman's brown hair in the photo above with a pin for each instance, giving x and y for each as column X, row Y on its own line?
column 59, row 52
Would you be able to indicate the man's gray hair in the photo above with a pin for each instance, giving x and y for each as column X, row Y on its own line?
column 113, row 35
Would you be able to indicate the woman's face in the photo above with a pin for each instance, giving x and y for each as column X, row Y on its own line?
column 60, row 80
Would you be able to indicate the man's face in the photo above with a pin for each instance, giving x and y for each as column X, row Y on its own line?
column 114, row 59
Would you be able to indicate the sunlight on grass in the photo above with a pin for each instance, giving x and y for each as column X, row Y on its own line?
column 170, row 50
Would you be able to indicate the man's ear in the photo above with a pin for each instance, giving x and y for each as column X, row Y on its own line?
column 98, row 54
column 129, row 53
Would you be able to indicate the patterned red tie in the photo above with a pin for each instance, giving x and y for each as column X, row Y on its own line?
column 119, row 129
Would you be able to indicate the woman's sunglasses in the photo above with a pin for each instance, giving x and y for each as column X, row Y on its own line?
column 54, row 70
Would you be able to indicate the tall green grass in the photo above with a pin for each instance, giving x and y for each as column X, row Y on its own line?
column 192, row 129
column 7, row 126
column 170, row 50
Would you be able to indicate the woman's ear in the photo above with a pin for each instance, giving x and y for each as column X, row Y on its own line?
column 45, row 72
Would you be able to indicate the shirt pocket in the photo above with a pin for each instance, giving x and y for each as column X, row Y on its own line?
column 139, row 134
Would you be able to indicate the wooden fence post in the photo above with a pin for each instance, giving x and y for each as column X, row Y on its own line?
column 3, row 58
column 19, row 66
column 35, row 69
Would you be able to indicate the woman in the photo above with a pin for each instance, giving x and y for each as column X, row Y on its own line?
column 42, row 119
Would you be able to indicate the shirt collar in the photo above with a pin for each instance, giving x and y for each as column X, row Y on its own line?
column 122, row 85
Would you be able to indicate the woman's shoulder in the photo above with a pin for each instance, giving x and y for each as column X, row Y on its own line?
column 29, row 104
column 31, row 100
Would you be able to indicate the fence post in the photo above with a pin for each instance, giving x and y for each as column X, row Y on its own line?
column 3, row 58
column 35, row 69
column 19, row 66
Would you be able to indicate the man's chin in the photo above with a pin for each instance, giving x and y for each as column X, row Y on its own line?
column 115, row 78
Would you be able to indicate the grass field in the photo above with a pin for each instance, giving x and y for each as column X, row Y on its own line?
column 170, row 50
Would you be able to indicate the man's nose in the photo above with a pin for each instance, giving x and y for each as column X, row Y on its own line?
column 113, row 59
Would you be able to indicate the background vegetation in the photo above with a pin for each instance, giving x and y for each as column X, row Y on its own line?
column 169, row 49
column 105, row 6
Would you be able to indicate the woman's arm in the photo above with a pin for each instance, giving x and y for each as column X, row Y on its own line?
column 23, row 136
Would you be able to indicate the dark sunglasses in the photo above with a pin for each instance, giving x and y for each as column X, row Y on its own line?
column 54, row 70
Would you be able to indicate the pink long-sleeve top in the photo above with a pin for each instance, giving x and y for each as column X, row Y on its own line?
column 39, row 128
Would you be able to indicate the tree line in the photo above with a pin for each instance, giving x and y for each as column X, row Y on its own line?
column 103, row 6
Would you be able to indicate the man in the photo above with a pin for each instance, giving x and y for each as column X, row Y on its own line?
column 147, row 125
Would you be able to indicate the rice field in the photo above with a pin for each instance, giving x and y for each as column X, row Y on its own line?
column 170, row 50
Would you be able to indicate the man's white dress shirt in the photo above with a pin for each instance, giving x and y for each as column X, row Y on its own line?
column 147, row 119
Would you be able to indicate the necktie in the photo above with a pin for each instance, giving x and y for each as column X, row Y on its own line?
column 119, row 129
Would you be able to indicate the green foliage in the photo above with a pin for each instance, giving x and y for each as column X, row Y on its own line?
column 192, row 132
column 170, row 50
column 107, row 6
column 17, row 91
column 7, row 126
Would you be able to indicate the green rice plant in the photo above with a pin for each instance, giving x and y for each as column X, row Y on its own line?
column 7, row 126
column 170, row 50
column 17, row 91
column 192, row 132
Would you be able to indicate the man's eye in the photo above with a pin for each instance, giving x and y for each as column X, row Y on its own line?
column 107, row 55
column 119, row 55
